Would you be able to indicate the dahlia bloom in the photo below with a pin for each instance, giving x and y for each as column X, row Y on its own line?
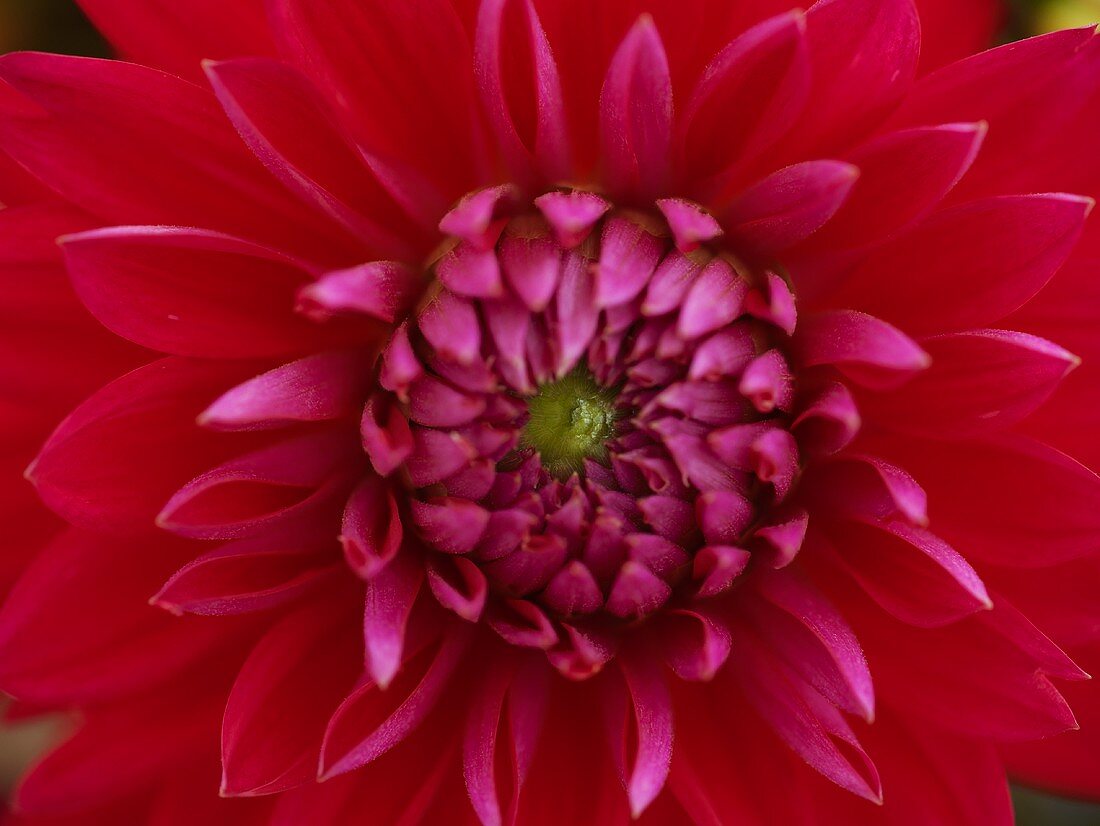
column 550, row 412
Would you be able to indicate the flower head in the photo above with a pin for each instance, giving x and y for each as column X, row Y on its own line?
column 586, row 412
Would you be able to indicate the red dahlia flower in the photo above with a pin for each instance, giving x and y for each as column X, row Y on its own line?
column 586, row 411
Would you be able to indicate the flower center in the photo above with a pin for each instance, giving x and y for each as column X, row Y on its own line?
column 591, row 411
column 571, row 420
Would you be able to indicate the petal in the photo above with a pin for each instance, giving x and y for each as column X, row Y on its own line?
column 789, row 205
column 690, row 223
column 388, row 602
column 91, row 636
column 479, row 744
column 768, row 383
column 1001, row 695
column 819, row 645
column 636, row 113
column 470, row 272
column 630, row 249
column 386, row 435
column 165, row 728
column 135, row 146
column 864, row 348
column 863, row 55
column 300, row 478
column 949, row 33
column 577, row 312
column 1006, row 499
column 436, row 404
column 355, row 737
column 805, row 721
column 653, row 717
column 451, row 525
column 191, row 292
column 866, row 487
column 95, row 470
column 988, row 257
column 748, row 97
column 384, row 290
column 409, row 783
column 696, row 645
column 249, row 575
column 717, row 566
column 1066, row 764
column 929, row 775
column 177, row 38
column 571, row 214
column 979, row 381
column 986, row 83
column 277, row 711
column 573, row 590
column 714, row 300
column 637, row 591
column 360, row 54
column 911, row 573
column 530, row 136
column 531, row 262
column 479, row 216
column 903, row 176
column 450, row 324
column 522, row 623
column 287, row 125
column 313, row 389
column 371, row 532
column 829, row 421
column 459, row 585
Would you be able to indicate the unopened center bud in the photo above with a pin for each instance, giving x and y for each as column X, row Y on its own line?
column 571, row 420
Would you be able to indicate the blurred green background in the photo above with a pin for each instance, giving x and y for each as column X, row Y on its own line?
column 58, row 26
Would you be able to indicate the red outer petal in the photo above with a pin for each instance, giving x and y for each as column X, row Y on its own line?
column 95, row 471
column 636, row 114
column 132, row 145
column 989, row 257
column 285, row 692
column 178, row 37
column 979, row 381
column 192, row 292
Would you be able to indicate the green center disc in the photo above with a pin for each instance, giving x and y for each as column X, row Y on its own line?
column 571, row 420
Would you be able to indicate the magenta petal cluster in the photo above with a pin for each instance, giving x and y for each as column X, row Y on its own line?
column 551, row 412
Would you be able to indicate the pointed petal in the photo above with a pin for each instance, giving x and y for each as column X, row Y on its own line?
column 990, row 256
column 178, row 39
column 903, row 176
column 277, row 710
column 99, row 132
column 249, row 575
column 384, row 290
column 653, row 717
column 636, row 113
column 533, row 142
column 313, row 389
column 748, row 97
column 191, row 292
column 287, row 125
column 979, row 381
column 789, row 205
column 480, row 741
column 911, row 573
column 388, row 602
column 95, row 471
column 354, row 737
column 863, row 347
